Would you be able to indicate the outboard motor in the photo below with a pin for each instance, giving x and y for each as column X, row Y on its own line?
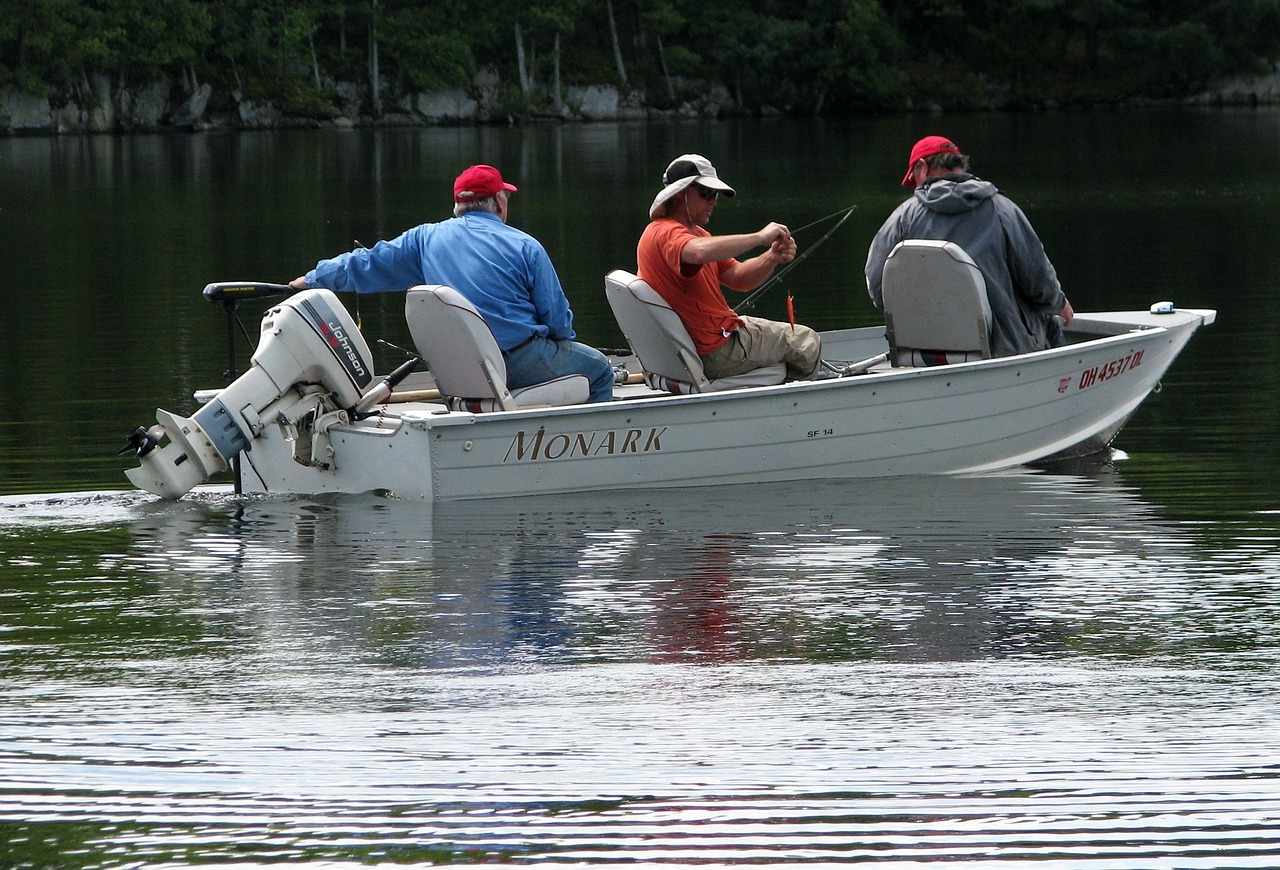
column 311, row 357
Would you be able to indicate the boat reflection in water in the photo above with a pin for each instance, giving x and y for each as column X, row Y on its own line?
column 934, row 569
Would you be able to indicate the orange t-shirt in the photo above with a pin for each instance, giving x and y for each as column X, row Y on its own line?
column 692, row 291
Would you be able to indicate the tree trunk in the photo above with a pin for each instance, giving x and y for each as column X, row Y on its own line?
column 556, row 100
column 520, row 64
column 666, row 73
column 617, row 48
column 375, row 75
column 315, row 61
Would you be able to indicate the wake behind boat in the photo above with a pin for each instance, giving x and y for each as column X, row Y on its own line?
column 310, row 415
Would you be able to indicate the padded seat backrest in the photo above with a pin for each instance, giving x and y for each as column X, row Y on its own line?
column 935, row 304
column 659, row 340
column 653, row 330
column 465, row 360
column 456, row 343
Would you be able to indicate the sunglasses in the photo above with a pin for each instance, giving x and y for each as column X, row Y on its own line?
column 708, row 195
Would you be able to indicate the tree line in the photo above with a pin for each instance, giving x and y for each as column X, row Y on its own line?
column 797, row 56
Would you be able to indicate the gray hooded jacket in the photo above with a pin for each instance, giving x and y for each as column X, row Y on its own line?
column 1022, row 286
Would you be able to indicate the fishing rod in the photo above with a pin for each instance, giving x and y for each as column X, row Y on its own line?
column 781, row 273
column 840, row 212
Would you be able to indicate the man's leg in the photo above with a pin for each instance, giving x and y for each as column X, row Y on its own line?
column 543, row 360
column 758, row 342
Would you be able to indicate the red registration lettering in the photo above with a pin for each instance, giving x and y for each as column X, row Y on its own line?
column 1104, row 372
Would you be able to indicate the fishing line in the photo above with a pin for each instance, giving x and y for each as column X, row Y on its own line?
column 834, row 214
column 408, row 353
column 781, row 273
column 360, row 246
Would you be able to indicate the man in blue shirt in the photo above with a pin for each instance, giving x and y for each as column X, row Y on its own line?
column 504, row 272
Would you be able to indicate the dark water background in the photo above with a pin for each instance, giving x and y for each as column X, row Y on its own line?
column 110, row 241
column 1066, row 668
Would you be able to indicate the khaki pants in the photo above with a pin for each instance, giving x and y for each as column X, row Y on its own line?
column 758, row 342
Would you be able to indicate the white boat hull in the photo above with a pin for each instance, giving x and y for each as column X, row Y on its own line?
column 967, row 417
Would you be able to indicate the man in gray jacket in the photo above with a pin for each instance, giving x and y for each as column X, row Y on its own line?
column 952, row 205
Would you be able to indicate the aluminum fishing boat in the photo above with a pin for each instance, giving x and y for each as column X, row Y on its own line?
column 311, row 416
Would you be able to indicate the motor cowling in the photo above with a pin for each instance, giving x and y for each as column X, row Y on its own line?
column 310, row 351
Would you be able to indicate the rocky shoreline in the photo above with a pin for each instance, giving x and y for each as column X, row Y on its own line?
column 155, row 108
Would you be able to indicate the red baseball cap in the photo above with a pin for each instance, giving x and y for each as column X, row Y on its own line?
column 927, row 147
column 478, row 182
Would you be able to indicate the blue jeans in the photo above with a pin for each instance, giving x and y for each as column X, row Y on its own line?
column 545, row 359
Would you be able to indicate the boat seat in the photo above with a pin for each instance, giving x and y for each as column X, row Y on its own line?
column 935, row 305
column 465, row 360
column 659, row 340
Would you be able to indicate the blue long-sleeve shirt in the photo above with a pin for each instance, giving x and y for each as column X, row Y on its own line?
column 504, row 272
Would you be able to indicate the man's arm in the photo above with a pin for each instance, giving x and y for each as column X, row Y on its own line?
column 1034, row 277
column 747, row 274
column 886, row 237
column 387, row 266
column 549, row 300
column 713, row 249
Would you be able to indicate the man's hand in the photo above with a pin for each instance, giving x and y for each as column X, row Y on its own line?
column 783, row 250
column 1067, row 313
column 774, row 232
column 299, row 283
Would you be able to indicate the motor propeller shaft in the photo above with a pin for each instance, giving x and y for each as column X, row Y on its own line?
column 142, row 441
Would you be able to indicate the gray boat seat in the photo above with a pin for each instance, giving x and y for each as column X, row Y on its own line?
column 659, row 340
column 465, row 360
column 935, row 305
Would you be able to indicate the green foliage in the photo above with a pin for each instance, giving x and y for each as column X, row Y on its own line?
column 862, row 70
column 50, row 42
column 1186, row 56
column 299, row 99
column 1254, row 25
column 757, row 55
column 425, row 47
column 798, row 55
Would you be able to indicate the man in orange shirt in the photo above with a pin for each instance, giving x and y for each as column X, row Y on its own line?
column 687, row 265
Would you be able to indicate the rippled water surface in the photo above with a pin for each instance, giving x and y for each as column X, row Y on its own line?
column 1023, row 668
column 1063, row 667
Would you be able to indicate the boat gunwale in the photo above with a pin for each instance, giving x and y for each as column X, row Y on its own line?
column 427, row 414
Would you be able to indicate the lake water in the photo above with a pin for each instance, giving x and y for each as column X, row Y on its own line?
column 1064, row 667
